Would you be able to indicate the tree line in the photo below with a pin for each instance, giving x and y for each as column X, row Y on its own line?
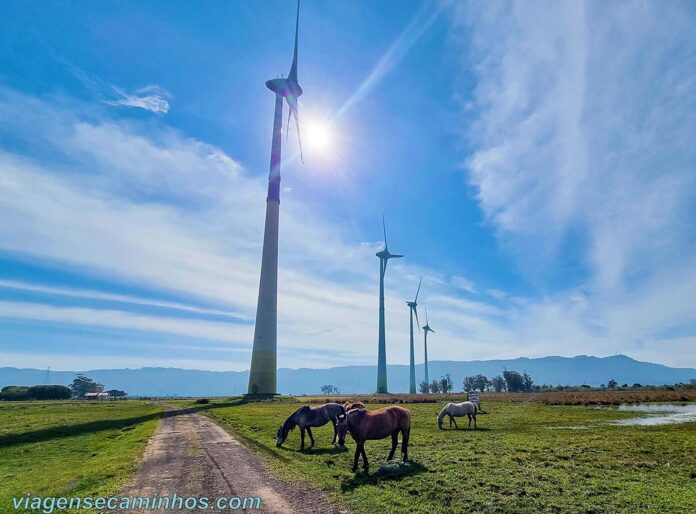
column 77, row 389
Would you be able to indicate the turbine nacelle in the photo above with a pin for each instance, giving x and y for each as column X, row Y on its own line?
column 285, row 87
column 426, row 327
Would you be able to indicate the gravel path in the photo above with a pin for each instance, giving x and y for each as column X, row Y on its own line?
column 192, row 456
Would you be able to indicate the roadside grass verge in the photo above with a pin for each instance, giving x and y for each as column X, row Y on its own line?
column 525, row 458
column 71, row 448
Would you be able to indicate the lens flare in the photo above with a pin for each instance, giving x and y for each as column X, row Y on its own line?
column 319, row 138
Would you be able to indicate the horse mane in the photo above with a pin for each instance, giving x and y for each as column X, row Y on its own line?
column 443, row 411
column 290, row 423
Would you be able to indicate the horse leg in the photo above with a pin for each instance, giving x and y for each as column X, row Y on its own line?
column 455, row 423
column 404, row 442
column 302, row 438
column 357, row 454
column 366, row 466
column 474, row 421
column 395, row 443
column 311, row 437
column 450, row 418
column 333, row 421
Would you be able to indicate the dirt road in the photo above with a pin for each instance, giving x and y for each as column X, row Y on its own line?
column 193, row 457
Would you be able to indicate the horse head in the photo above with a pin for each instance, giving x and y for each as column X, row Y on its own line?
column 342, row 428
column 282, row 434
column 441, row 416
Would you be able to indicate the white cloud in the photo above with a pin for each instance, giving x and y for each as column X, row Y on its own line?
column 583, row 120
column 150, row 98
column 579, row 134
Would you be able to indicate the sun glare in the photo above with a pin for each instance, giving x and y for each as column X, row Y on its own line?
column 319, row 138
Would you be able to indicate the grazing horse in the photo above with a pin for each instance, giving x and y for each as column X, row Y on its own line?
column 307, row 417
column 365, row 425
column 454, row 410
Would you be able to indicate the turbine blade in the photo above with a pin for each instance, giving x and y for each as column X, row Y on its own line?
column 415, row 311
column 419, row 285
column 426, row 314
column 395, row 255
column 299, row 139
column 293, row 69
column 384, row 229
column 292, row 105
column 432, row 330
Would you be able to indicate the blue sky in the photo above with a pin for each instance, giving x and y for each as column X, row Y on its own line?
column 534, row 161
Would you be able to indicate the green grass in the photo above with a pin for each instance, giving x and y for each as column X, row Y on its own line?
column 513, row 463
column 71, row 448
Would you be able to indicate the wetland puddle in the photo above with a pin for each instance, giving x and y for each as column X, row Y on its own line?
column 660, row 414
column 652, row 414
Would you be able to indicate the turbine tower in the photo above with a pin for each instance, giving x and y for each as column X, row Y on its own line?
column 384, row 256
column 262, row 372
column 413, row 309
column 426, row 329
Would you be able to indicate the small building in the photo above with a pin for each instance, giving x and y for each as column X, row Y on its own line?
column 97, row 396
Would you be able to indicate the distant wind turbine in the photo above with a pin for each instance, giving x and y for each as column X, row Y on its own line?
column 263, row 369
column 413, row 309
column 384, row 256
column 426, row 329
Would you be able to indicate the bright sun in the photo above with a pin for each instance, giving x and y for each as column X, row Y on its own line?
column 318, row 137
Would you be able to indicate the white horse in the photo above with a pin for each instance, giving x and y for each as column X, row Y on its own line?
column 457, row 410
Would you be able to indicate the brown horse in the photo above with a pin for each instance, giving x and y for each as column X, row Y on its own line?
column 364, row 425
column 350, row 405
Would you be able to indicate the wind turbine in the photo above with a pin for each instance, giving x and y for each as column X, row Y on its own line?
column 413, row 309
column 426, row 329
column 384, row 256
column 263, row 370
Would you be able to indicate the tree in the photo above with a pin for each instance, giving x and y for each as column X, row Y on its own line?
column 469, row 384
column 435, row 387
column 424, row 387
column 513, row 381
column 446, row 384
column 15, row 393
column 116, row 393
column 481, row 382
column 498, row 384
column 612, row 384
column 50, row 392
column 329, row 389
column 527, row 382
column 83, row 384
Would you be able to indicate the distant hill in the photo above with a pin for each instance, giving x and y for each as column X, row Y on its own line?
column 361, row 379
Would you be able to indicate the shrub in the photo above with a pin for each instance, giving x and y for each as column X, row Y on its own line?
column 15, row 393
column 50, row 392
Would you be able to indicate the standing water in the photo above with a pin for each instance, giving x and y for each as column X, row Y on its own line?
column 662, row 414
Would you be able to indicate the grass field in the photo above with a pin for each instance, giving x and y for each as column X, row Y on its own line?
column 525, row 457
column 71, row 448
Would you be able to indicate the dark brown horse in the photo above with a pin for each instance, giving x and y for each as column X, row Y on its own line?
column 306, row 417
column 364, row 425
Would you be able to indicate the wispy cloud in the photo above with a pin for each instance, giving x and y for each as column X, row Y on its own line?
column 580, row 137
column 112, row 297
column 150, row 98
column 582, row 128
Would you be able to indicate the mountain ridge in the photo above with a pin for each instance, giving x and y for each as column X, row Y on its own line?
column 360, row 379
